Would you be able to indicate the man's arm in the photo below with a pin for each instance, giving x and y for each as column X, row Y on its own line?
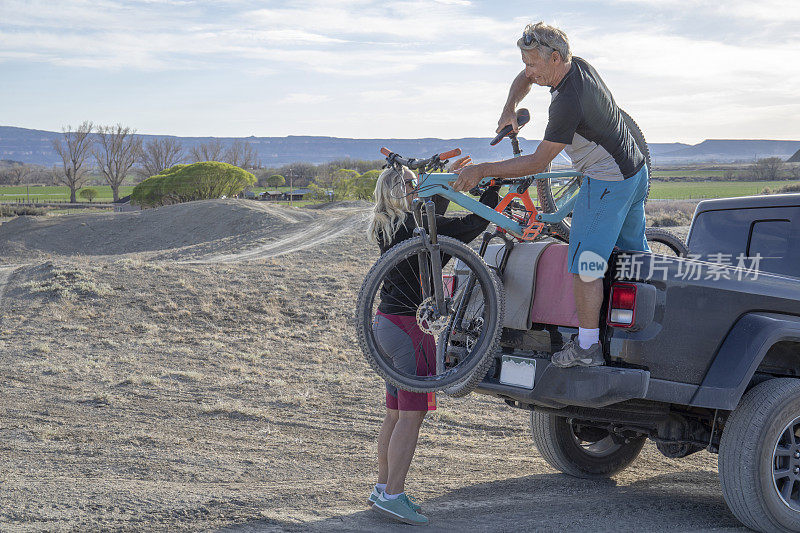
column 520, row 88
column 516, row 167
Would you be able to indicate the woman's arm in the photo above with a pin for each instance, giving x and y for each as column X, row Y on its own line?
column 466, row 228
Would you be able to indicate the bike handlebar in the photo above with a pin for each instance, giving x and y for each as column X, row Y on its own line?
column 523, row 117
column 414, row 163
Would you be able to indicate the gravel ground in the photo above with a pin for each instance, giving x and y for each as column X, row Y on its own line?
column 155, row 390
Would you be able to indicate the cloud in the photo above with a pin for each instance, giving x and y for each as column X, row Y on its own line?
column 684, row 68
column 305, row 98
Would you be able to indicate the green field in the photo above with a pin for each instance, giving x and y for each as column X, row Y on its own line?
column 56, row 193
column 671, row 190
column 687, row 174
column 688, row 190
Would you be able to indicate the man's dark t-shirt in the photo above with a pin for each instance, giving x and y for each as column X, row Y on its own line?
column 584, row 116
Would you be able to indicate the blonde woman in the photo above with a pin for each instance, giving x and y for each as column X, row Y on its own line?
column 396, row 329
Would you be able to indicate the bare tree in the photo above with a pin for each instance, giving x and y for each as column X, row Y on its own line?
column 116, row 150
column 794, row 170
column 768, row 168
column 160, row 154
column 207, row 151
column 16, row 174
column 241, row 154
column 73, row 149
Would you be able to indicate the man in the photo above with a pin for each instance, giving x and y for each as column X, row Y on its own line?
column 585, row 121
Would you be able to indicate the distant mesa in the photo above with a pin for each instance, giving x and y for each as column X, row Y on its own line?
column 795, row 158
column 35, row 146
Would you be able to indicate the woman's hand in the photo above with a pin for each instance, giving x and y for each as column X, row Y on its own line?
column 460, row 164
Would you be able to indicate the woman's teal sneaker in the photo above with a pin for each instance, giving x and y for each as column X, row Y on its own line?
column 410, row 501
column 373, row 497
column 399, row 509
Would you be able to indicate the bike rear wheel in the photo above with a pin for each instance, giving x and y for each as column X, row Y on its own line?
column 664, row 242
column 474, row 307
column 555, row 192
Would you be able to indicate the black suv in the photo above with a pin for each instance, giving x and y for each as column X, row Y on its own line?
column 703, row 352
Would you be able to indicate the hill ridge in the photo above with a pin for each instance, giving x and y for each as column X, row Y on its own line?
column 34, row 146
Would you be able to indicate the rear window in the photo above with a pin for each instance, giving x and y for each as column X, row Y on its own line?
column 774, row 243
column 773, row 234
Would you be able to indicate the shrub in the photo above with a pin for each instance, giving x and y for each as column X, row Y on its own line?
column 670, row 213
column 792, row 187
column 198, row 181
column 88, row 194
column 14, row 211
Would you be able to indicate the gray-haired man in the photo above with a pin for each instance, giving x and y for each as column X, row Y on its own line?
column 585, row 121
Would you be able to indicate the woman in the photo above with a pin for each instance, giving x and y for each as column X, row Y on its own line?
column 396, row 330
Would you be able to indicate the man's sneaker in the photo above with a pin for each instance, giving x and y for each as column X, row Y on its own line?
column 573, row 355
column 400, row 510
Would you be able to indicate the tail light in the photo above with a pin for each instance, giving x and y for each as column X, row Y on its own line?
column 622, row 310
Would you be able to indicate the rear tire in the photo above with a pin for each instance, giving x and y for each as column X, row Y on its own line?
column 759, row 450
column 591, row 456
column 664, row 242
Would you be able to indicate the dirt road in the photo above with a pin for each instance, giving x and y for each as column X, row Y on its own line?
column 143, row 393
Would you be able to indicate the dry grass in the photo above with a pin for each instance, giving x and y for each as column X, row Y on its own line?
column 669, row 213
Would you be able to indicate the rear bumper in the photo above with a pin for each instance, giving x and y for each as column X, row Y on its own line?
column 577, row 386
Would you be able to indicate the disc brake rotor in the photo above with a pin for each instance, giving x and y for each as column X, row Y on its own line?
column 429, row 320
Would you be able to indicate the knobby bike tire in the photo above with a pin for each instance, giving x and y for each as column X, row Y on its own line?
column 473, row 370
column 547, row 199
column 668, row 239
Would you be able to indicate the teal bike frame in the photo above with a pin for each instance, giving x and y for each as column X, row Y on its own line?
column 439, row 183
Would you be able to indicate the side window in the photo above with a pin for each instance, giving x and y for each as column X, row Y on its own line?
column 769, row 239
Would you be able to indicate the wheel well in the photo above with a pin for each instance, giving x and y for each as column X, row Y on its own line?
column 782, row 359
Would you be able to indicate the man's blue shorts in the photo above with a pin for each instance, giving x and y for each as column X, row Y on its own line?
column 607, row 214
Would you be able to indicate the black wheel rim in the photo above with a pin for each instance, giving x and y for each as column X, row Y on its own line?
column 786, row 465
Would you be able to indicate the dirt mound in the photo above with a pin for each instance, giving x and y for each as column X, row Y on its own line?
column 349, row 204
column 163, row 228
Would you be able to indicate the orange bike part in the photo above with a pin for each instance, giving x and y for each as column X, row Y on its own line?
column 385, row 151
column 452, row 153
column 533, row 228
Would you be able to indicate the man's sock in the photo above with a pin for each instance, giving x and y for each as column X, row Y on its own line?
column 391, row 496
column 380, row 487
column 587, row 337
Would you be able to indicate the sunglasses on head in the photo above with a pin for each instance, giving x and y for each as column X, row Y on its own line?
column 528, row 38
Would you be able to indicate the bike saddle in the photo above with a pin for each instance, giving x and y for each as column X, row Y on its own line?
column 523, row 117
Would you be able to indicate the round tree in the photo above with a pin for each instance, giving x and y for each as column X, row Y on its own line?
column 88, row 194
column 276, row 180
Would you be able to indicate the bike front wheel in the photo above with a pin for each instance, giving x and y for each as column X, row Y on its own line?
column 399, row 325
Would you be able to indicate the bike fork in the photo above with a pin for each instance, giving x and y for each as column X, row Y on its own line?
column 430, row 270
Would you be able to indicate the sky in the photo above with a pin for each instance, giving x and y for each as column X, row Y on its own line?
column 686, row 70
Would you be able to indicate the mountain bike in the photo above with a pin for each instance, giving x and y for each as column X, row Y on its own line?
column 458, row 301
